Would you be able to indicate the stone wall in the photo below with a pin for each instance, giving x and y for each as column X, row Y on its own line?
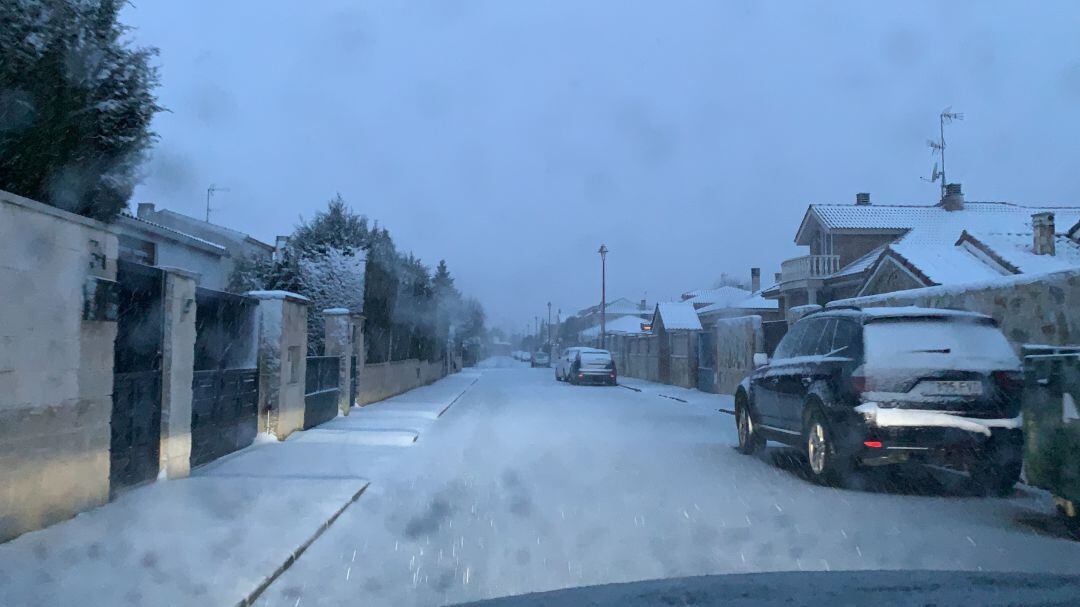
column 737, row 339
column 1032, row 309
column 382, row 380
column 56, row 369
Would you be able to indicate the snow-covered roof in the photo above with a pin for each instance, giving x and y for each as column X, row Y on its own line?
column 678, row 316
column 174, row 234
column 751, row 302
column 621, row 305
column 931, row 223
column 943, row 264
column 909, row 311
column 1017, row 250
column 861, row 264
column 624, row 325
column 719, row 295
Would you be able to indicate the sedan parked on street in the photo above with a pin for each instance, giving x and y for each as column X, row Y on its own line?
column 876, row 386
column 590, row 366
column 541, row 359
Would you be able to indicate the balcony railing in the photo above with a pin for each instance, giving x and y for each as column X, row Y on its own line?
column 809, row 266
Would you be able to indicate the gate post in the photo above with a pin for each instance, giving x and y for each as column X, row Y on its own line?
column 177, row 371
column 356, row 322
column 282, row 361
column 339, row 343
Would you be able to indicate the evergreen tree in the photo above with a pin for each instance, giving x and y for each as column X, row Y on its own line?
column 76, row 104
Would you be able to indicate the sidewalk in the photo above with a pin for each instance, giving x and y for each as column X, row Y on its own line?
column 219, row 537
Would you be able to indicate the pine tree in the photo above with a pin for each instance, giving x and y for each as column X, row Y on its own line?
column 76, row 104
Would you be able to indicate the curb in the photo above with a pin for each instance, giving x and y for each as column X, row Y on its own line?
column 457, row 397
column 255, row 594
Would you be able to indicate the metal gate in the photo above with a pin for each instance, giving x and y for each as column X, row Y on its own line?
column 354, row 381
column 321, row 388
column 135, row 437
column 225, row 385
column 706, row 375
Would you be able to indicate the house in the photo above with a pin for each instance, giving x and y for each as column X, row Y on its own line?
column 729, row 302
column 866, row 248
column 168, row 239
column 676, row 325
column 614, row 309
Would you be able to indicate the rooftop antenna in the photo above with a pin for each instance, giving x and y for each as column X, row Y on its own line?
column 946, row 117
column 209, row 192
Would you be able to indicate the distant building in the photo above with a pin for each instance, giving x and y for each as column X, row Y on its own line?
column 728, row 302
column 865, row 248
column 169, row 239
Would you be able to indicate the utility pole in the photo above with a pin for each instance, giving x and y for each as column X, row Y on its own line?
column 549, row 328
column 209, row 192
column 603, row 296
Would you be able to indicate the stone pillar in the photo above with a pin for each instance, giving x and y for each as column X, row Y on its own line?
column 177, row 371
column 338, row 342
column 356, row 321
column 282, row 321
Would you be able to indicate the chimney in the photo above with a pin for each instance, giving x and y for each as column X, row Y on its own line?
column 954, row 197
column 641, row 306
column 755, row 279
column 862, row 199
column 146, row 209
column 279, row 247
column 1043, row 225
column 778, row 277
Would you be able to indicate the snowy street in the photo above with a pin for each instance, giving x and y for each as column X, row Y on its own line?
column 527, row 484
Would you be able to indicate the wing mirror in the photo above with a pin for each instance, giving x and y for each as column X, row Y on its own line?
column 760, row 359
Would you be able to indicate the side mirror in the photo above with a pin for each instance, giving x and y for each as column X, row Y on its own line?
column 760, row 359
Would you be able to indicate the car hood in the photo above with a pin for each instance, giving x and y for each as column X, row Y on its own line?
column 878, row 588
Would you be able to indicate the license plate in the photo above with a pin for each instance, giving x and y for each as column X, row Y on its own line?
column 953, row 388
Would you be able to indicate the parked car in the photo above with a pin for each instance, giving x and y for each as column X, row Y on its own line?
column 541, row 359
column 591, row 366
column 876, row 386
column 564, row 360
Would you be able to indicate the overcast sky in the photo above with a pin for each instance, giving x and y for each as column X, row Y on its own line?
column 511, row 138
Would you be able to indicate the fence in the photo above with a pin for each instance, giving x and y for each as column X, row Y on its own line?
column 321, row 389
column 737, row 339
column 1052, row 422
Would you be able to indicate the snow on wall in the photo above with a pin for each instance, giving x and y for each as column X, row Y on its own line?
column 1031, row 308
column 737, row 339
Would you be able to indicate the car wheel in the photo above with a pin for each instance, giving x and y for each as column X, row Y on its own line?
column 998, row 471
column 826, row 465
column 750, row 440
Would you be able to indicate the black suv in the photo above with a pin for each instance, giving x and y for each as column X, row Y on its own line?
column 878, row 386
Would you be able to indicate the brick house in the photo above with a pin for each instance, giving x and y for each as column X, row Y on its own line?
column 865, row 248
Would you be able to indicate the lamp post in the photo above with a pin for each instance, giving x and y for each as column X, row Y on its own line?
column 603, row 296
column 549, row 328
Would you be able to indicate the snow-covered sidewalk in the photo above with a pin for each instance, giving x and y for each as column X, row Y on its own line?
column 687, row 396
column 222, row 535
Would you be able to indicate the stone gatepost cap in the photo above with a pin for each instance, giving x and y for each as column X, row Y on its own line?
column 285, row 295
column 336, row 311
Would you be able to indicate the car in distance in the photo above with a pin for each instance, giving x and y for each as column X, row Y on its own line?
column 877, row 386
column 592, row 366
column 541, row 359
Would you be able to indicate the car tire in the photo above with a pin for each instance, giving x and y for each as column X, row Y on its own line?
column 750, row 440
column 998, row 471
column 825, row 463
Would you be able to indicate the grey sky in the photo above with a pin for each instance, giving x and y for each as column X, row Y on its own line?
column 512, row 137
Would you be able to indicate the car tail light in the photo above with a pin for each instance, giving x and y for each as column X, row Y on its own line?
column 1009, row 381
column 873, row 444
column 858, row 383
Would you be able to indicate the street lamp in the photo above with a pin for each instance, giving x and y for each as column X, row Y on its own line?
column 549, row 328
column 603, row 296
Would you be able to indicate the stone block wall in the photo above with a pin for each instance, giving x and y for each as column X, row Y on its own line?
column 1031, row 309
column 383, row 380
column 737, row 339
column 282, row 361
column 56, row 369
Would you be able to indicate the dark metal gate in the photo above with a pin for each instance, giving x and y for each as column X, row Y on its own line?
column 136, row 412
column 354, row 381
column 225, row 385
column 706, row 375
column 321, row 388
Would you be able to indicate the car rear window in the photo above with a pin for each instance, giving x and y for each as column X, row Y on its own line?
column 595, row 357
column 936, row 343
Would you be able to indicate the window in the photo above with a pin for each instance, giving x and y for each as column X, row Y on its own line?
column 847, row 341
column 787, row 346
column 824, row 343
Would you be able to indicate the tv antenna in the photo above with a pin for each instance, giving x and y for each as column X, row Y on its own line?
column 938, row 147
column 209, row 192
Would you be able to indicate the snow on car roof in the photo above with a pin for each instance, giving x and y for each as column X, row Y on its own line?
column 915, row 311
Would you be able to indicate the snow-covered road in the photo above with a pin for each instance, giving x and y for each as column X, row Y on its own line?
column 527, row 484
